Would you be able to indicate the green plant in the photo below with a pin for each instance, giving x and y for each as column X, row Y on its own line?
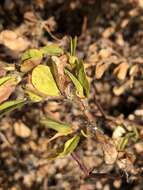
column 61, row 77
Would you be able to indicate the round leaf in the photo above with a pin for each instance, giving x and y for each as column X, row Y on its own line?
column 43, row 81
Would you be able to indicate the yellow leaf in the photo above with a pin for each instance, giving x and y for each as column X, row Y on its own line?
column 43, row 81
column 33, row 96
column 31, row 54
column 4, row 79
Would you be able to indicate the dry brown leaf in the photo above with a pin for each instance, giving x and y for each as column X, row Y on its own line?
column 109, row 148
column 133, row 70
column 121, row 70
column 21, row 130
column 6, row 90
column 126, row 164
column 13, row 41
column 118, row 90
column 105, row 53
column 139, row 147
column 2, row 71
column 120, row 40
column 59, row 75
column 108, row 32
column 110, row 153
column 100, row 69
column 29, row 16
column 28, row 65
column 140, row 3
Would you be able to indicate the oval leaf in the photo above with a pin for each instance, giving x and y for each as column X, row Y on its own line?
column 43, row 81
column 32, row 54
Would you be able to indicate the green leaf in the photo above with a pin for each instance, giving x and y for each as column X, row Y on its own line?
column 33, row 96
column 84, row 134
column 123, row 142
column 10, row 106
column 136, row 134
column 76, row 83
column 72, row 61
column 60, row 127
column 73, row 44
column 70, row 145
column 81, row 75
column 31, row 54
column 4, row 79
column 51, row 50
column 72, row 57
column 43, row 81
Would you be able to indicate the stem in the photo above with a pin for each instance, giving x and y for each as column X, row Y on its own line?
column 80, row 163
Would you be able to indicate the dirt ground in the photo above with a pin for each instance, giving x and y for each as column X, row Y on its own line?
column 110, row 33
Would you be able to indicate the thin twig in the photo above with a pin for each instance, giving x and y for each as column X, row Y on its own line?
column 103, row 175
column 80, row 163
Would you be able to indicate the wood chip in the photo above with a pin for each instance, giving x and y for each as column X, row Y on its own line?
column 21, row 130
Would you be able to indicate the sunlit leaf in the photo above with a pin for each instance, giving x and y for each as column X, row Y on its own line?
column 51, row 49
column 70, row 145
column 33, row 96
column 31, row 54
column 10, row 105
column 60, row 127
column 76, row 83
column 43, row 81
